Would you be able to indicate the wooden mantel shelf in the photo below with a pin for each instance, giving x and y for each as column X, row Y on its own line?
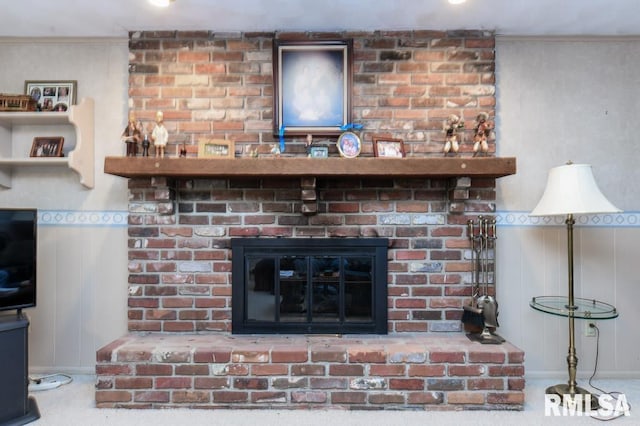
column 427, row 167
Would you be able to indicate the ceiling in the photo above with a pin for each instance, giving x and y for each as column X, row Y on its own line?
column 115, row 18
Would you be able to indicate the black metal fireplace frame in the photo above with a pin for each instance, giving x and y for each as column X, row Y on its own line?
column 242, row 248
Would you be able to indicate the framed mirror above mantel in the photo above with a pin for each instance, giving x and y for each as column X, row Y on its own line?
column 363, row 167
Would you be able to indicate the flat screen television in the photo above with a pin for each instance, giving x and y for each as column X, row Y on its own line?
column 18, row 243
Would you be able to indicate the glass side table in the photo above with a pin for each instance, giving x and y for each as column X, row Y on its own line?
column 583, row 308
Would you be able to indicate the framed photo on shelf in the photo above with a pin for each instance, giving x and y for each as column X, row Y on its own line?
column 312, row 86
column 52, row 95
column 388, row 147
column 349, row 145
column 47, row 146
column 216, row 148
column 319, row 152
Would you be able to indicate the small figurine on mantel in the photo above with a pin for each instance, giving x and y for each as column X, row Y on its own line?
column 145, row 145
column 308, row 144
column 159, row 136
column 131, row 135
column 451, row 127
column 482, row 134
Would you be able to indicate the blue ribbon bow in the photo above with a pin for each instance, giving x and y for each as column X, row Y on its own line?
column 281, row 136
column 350, row 126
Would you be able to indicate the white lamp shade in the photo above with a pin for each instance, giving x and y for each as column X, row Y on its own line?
column 571, row 189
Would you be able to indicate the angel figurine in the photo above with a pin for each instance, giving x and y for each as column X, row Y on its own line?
column 482, row 133
column 451, row 127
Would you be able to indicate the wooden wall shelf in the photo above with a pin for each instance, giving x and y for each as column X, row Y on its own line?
column 14, row 150
column 365, row 167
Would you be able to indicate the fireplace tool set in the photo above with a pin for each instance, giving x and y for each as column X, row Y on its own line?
column 480, row 316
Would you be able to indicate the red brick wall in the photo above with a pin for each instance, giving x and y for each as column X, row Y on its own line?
column 220, row 85
column 405, row 85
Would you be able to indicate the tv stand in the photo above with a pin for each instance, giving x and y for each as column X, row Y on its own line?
column 16, row 407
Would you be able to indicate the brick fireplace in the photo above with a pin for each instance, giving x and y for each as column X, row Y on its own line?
column 180, row 252
column 180, row 351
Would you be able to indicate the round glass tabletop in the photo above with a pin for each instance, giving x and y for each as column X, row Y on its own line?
column 582, row 308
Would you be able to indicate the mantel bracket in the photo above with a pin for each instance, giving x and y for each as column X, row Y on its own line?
column 309, row 196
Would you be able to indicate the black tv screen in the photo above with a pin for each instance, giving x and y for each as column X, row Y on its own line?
column 18, row 242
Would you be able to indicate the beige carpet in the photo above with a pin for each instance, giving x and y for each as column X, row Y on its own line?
column 73, row 404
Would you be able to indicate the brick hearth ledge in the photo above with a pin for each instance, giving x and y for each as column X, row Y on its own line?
column 407, row 371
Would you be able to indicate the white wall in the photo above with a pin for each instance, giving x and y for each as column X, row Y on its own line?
column 560, row 100
column 82, row 292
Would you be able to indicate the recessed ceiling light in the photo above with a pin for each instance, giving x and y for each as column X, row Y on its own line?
column 457, row 1
column 161, row 3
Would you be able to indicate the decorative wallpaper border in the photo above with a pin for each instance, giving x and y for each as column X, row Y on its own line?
column 83, row 218
column 516, row 218
column 117, row 218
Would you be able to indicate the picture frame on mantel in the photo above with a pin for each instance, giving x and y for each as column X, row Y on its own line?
column 319, row 152
column 52, row 96
column 216, row 148
column 388, row 147
column 312, row 83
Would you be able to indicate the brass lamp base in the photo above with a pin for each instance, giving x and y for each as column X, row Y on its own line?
column 563, row 389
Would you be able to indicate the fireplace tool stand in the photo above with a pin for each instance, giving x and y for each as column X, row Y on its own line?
column 480, row 316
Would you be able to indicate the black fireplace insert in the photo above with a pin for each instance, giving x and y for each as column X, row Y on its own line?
column 309, row 285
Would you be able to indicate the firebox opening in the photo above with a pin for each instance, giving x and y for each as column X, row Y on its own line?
column 295, row 285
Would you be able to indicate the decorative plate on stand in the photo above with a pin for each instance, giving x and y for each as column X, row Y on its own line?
column 349, row 145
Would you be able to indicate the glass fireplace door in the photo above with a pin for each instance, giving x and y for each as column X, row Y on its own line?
column 327, row 290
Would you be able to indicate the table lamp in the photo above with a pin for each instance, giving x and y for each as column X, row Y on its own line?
column 571, row 190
